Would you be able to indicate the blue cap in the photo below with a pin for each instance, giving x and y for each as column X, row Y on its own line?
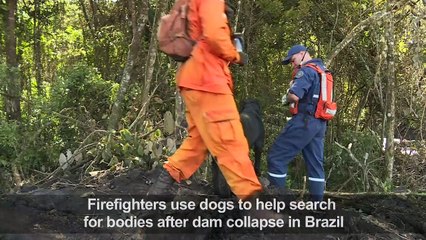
column 293, row 50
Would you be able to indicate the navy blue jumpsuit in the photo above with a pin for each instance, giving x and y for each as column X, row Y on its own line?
column 303, row 133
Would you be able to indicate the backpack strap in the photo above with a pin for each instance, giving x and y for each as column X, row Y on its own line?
column 317, row 86
column 184, row 14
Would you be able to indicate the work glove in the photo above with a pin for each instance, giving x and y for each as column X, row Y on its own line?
column 284, row 100
column 239, row 40
column 243, row 59
column 238, row 43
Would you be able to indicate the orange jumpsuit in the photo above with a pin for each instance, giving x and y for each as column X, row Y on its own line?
column 206, row 86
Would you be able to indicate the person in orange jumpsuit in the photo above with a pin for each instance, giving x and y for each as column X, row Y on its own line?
column 206, row 86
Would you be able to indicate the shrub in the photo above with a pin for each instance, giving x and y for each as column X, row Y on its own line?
column 357, row 164
column 80, row 101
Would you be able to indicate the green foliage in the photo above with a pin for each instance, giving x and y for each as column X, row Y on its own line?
column 129, row 149
column 8, row 142
column 106, row 42
column 80, row 100
column 77, row 104
column 3, row 77
column 123, row 147
column 81, row 86
column 30, row 145
column 39, row 146
column 357, row 168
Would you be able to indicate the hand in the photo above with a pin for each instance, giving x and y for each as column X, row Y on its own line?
column 238, row 44
column 240, row 39
column 243, row 59
column 284, row 99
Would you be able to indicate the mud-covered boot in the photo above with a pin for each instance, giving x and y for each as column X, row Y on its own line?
column 162, row 185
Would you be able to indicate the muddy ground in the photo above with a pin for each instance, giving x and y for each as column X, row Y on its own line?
column 56, row 210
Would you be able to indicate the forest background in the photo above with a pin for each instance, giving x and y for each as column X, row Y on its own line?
column 84, row 88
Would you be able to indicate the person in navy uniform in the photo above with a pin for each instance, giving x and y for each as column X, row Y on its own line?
column 303, row 133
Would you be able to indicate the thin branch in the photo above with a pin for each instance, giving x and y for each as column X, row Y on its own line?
column 347, row 181
column 350, row 154
column 237, row 15
column 334, row 28
column 76, row 152
column 360, row 26
column 355, row 31
column 144, row 106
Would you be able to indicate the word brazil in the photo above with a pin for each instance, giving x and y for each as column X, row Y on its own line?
column 312, row 222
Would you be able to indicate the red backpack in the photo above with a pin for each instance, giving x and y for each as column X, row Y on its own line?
column 172, row 34
column 326, row 107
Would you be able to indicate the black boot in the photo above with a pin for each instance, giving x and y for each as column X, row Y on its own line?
column 162, row 185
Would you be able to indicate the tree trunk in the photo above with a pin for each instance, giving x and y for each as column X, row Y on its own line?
column 181, row 124
column 94, row 7
column 87, row 18
column 150, row 66
column 116, row 111
column 390, row 98
column 381, row 56
column 152, row 56
column 419, row 31
column 12, row 97
column 37, row 47
column 2, row 27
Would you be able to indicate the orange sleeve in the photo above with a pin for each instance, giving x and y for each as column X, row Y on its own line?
column 216, row 31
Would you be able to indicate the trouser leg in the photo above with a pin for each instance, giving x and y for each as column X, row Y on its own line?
column 313, row 154
column 217, row 120
column 299, row 132
column 280, row 155
column 190, row 155
column 187, row 159
column 287, row 145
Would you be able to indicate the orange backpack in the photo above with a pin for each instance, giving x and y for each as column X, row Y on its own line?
column 172, row 34
column 326, row 107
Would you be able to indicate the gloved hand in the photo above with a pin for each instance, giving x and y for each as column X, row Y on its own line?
column 243, row 59
column 284, row 100
column 238, row 37
column 238, row 44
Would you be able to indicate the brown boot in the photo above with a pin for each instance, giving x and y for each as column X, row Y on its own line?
column 162, row 185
